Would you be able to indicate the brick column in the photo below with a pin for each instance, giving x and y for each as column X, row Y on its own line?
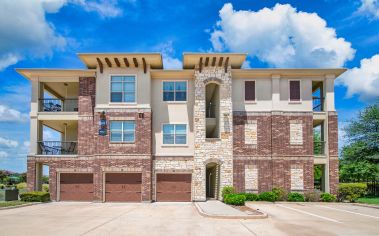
column 31, row 175
column 333, row 152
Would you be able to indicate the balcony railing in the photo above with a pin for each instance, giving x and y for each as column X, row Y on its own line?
column 57, row 105
column 57, row 147
column 319, row 148
column 318, row 104
column 211, row 111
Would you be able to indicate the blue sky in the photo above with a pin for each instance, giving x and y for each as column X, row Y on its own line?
column 49, row 33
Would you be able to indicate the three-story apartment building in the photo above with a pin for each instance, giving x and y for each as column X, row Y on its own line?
column 133, row 131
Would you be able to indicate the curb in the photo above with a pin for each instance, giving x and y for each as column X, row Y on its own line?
column 247, row 217
column 19, row 206
column 366, row 205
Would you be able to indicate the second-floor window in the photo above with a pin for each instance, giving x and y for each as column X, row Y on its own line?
column 250, row 91
column 174, row 134
column 122, row 131
column 175, row 91
column 123, row 89
column 294, row 90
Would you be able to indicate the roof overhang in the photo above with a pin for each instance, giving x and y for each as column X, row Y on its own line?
column 235, row 60
column 35, row 73
column 268, row 72
column 95, row 60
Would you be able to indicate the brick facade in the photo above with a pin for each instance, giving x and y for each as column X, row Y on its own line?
column 333, row 151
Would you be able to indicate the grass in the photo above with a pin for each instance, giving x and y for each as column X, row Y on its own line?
column 12, row 203
column 369, row 200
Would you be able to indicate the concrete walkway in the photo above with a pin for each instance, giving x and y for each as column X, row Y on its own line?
column 217, row 209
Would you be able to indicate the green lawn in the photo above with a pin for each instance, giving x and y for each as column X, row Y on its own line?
column 369, row 200
column 12, row 203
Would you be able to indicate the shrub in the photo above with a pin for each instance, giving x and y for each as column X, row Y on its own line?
column 45, row 188
column 2, row 186
column 267, row 196
column 35, row 196
column 250, row 196
column 312, row 196
column 295, row 197
column 20, row 186
column 327, row 197
column 351, row 191
column 227, row 190
column 235, row 199
column 281, row 194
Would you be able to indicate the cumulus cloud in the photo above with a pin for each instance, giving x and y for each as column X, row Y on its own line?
column 3, row 154
column 12, row 115
column 370, row 8
column 8, row 143
column 281, row 36
column 168, row 51
column 362, row 81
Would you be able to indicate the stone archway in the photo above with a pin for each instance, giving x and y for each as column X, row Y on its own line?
column 212, row 178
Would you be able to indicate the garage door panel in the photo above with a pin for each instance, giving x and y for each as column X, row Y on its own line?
column 173, row 187
column 119, row 196
column 123, row 187
column 76, row 187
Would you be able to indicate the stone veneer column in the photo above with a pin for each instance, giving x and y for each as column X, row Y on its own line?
column 215, row 150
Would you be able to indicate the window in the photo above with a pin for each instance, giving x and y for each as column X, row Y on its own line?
column 174, row 134
column 123, row 131
column 123, row 89
column 294, row 90
column 249, row 90
column 175, row 91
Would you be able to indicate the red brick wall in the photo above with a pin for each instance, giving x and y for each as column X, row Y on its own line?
column 31, row 175
column 333, row 175
column 333, row 152
column 273, row 153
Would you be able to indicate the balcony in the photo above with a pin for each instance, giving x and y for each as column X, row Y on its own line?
column 319, row 148
column 57, row 148
column 58, row 105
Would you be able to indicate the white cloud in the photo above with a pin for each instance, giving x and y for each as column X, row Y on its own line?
column 362, row 81
column 105, row 8
column 167, row 50
column 24, row 31
column 12, row 115
column 281, row 36
column 3, row 154
column 370, row 8
column 8, row 143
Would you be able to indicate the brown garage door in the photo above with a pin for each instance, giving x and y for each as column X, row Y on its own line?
column 76, row 187
column 174, row 187
column 123, row 187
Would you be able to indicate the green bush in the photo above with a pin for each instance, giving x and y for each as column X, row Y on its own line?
column 235, row 199
column 35, row 196
column 327, row 197
column 2, row 186
column 281, row 194
column 45, row 188
column 227, row 190
column 250, row 196
column 312, row 196
column 295, row 197
column 20, row 186
column 351, row 191
column 267, row 196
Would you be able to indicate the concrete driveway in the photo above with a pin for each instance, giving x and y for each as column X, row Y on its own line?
column 72, row 218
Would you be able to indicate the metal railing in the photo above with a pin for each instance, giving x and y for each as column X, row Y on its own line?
column 318, row 104
column 319, row 148
column 57, row 105
column 210, row 111
column 57, row 147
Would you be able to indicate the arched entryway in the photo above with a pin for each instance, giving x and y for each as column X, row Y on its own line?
column 212, row 180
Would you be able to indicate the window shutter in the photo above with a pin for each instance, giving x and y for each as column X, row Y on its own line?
column 249, row 90
column 295, row 90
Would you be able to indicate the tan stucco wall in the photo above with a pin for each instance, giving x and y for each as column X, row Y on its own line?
column 171, row 112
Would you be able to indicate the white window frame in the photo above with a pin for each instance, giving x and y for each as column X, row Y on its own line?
column 255, row 88
column 176, row 145
column 162, row 91
column 135, row 89
column 122, row 131
column 289, row 92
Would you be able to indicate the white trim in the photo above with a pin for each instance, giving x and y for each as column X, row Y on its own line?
column 289, row 92
column 175, row 145
column 119, row 172
column 122, row 132
column 110, row 90
column 255, row 91
column 174, row 102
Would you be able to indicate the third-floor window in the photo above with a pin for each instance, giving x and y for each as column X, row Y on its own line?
column 123, row 89
column 175, row 91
